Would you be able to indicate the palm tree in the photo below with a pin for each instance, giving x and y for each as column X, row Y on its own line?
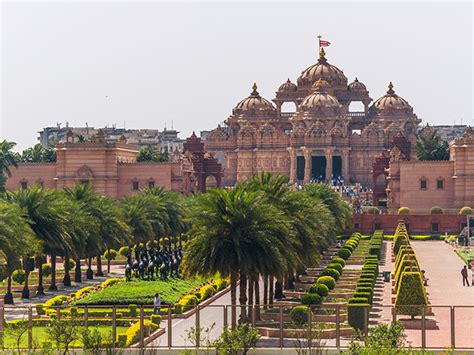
column 430, row 146
column 49, row 219
column 234, row 231
column 138, row 216
column 8, row 159
column 17, row 240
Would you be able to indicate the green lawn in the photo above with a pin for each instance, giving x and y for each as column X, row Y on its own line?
column 40, row 334
column 141, row 292
column 466, row 254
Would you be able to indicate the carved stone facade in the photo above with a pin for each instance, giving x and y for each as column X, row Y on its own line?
column 420, row 185
column 322, row 137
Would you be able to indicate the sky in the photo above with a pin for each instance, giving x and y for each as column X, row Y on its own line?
column 187, row 64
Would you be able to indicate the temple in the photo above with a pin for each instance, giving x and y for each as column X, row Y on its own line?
column 322, row 137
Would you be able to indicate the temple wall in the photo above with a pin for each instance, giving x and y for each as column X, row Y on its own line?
column 159, row 173
column 32, row 173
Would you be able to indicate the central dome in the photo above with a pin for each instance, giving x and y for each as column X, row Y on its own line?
column 323, row 70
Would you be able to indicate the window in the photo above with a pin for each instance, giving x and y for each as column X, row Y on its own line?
column 440, row 184
column 435, row 227
column 377, row 226
column 151, row 184
column 423, row 184
column 24, row 185
column 135, row 185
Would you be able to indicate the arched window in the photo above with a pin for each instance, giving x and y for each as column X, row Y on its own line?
column 423, row 183
column 440, row 183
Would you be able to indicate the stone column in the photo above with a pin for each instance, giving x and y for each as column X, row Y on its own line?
column 307, row 164
column 292, row 174
column 345, row 164
column 328, row 153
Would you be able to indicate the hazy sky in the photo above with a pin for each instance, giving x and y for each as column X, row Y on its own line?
column 150, row 63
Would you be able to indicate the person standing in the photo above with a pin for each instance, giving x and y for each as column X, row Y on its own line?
column 465, row 280
column 157, row 304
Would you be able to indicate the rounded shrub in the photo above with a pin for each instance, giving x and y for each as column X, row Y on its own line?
column 299, row 315
column 18, row 276
column 335, row 266
column 311, row 299
column 331, row 272
column 124, row 251
column 337, row 260
column 436, row 210
column 403, row 210
column 319, row 289
column 373, row 210
column 350, row 246
column 110, row 254
column 328, row 281
column 72, row 265
column 46, row 270
column 344, row 253
column 466, row 210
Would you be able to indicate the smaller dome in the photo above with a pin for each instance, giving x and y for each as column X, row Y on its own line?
column 320, row 100
column 287, row 86
column 356, row 85
column 321, row 85
column 391, row 101
column 254, row 104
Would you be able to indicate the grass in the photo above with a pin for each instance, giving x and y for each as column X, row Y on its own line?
column 466, row 254
column 41, row 334
column 141, row 292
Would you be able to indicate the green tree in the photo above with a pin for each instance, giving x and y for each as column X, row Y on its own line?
column 429, row 146
column 234, row 231
column 38, row 154
column 149, row 153
column 8, row 159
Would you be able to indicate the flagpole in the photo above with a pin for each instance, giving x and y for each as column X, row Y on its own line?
column 319, row 43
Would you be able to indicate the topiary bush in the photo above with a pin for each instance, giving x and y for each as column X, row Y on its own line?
column 72, row 265
column 328, row 281
column 367, row 296
column 344, row 253
column 373, row 210
column 110, row 254
column 18, row 276
column 337, row 260
column 311, row 299
column 299, row 315
column 411, row 292
column 357, row 315
column 403, row 210
column 124, row 251
column 320, row 289
column 46, row 270
column 331, row 272
column 335, row 266
column 436, row 210
column 466, row 210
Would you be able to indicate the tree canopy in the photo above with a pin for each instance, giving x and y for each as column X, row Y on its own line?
column 430, row 146
column 149, row 153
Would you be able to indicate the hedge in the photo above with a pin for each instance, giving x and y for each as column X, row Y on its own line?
column 299, row 315
column 311, row 299
column 344, row 253
column 337, row 260
column 331, row 272
column 367, row 296
column 411, row 292
column 403, row 210
column 328, row 281
column 335, row 266
column 319, row 288
column 357, row 315
column 466, row 210
column 133, row 333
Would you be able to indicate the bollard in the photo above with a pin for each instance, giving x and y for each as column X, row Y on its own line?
column 114, row 326
column 30, row 328
column 338, row 327
column 142, row 330
column 170, row 327
column 453, row 328
column 281, row 327
column 198, row 328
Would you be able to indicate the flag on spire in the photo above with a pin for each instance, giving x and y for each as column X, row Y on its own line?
column 323, row 43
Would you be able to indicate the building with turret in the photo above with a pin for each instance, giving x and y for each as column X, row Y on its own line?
column 322, row 137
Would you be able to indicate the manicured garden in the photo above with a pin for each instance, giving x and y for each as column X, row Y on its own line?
column 466, row 254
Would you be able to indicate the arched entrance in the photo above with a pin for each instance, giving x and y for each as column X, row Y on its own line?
column 318, row 167
column 336, row 166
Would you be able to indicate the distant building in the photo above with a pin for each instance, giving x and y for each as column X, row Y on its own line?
column 164, row 141
column 450, row 132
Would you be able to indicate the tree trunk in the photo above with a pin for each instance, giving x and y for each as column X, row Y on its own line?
column 233, row 298
column 279, row 288
column 67, row 277
column 25, row 293
column 40, row 290
column 270, row 291
column 257, row 297
column 108, row 261
column 53, row 286
column 99, row 265
column 77, row 271
column 89, row 272
column 250, row 289
column 243, row 298
column 8, row 299
column 265, row 291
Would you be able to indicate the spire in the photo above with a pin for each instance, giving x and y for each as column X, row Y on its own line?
column 322, row 56
column 356, row 80
column 390, row 89
column 254, row 88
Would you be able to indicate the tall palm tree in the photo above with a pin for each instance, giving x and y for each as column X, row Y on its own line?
column 49, row 219
column 8, row 159
column 138, row 215
column 233, row 232
column 17, row 240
